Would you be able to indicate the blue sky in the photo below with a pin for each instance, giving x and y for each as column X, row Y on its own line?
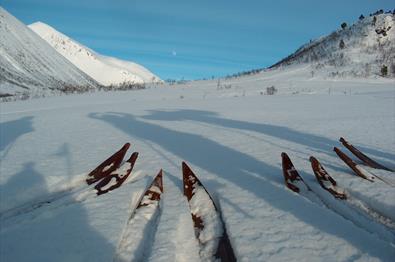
column 194, row 39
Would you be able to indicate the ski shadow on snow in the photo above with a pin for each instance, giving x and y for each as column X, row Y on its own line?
column 21, row 185
column 251, row 175
column 317, row 143
column 10, row 131
column 57, row 231
column 64, row 152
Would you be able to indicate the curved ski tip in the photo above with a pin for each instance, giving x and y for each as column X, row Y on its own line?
column 159, row 180
column 342, row 140
column 125, row 146
column 335, row 149
column 133, row 157
column 312, row 159
column 160, row 174
column 185, row 167
column 283, row 154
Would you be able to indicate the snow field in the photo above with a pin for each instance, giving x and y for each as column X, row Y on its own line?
column 85, row 226
column 233, row 144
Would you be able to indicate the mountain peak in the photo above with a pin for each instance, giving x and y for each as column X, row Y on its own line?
column 30, row 65
column 105, row 70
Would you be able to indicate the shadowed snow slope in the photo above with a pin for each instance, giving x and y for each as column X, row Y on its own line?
column 106, row 70
column 29, row 64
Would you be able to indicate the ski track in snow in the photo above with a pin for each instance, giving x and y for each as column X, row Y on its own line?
column 134, row 244
column 233, row 145
column 50, row 203
column 175, row 236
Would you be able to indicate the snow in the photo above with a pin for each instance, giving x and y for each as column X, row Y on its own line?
column 232, row 138
column 138, row 231
column 73, row 231
column 378, row 195
column 104, row 69
column 364, row 53
column 228, row 130
column 29, row 64
column 202, row 207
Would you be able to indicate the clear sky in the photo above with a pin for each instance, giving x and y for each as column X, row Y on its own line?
column 194, row 39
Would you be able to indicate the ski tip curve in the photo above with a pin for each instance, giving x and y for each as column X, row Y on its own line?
column 133, row 157
column 125, row 146
column 159, row 180
column 313, row 159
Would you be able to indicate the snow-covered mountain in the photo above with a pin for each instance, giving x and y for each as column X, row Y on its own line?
column 363, row 49
column 29, row 65
column 104, row 69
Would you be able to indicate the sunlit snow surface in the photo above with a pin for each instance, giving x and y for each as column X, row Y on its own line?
column 232, row 138
column 105, row 70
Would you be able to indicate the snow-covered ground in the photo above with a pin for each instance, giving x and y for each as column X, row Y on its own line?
column 231, row 135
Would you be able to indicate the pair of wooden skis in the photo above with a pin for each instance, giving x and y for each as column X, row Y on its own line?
column 110, row 175
column 293, row 180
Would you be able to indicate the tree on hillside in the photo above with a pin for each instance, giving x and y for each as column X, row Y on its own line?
column 374, row 20
column 342, row 44
column 361, row 17
column 384, row 70
column 393, row 69
column 344, row 25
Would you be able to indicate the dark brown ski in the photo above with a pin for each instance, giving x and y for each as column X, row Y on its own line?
column 224, row 251
column 148, row 206
column 325, row 180
column 120, row 175
column 108, row 166
column 153, row 192
column 291, row 175
column 351, row 164
column 367, row 160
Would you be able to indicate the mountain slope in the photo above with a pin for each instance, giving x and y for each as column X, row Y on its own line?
column 106, row 70
column 29, row 65
column 360, row 50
